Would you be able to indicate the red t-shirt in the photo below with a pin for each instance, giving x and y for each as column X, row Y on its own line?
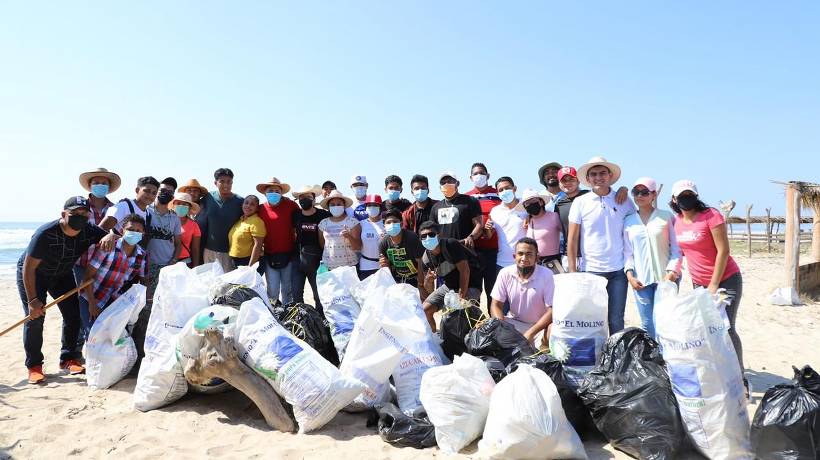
column 487, row 199
column 189, row 230
column 697, row 245
column 279, row 224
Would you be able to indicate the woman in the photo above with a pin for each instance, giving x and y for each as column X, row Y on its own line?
column 543, row 226
column 306, row 228
column 197, row 192
column 185, row 207
column 651, row 252
column 246, row 237
column 339, row 234
column 371, row 231
column 701, row 234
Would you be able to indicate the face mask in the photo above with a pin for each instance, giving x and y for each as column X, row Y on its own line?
column 305, row 203
column 360, row 192
column 430, row 243
column 687, row 202
column 507, row 196
column 393, row 195
column 479, row 180
column 273, row 197
column 533, row 208
column 77, row 222
column 448, row 190
column 132, row 237
column 525, row 271
column 182, row 210
column 373, row 211
column 421, row 194
column 99, row 190
column 337, row 211
column 392, row 229
column 552, row 182
column 165, row 196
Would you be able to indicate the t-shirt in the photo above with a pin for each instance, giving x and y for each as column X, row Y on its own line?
column 220, row 217
column 487, row 199
column 372, row 233
column 164, row 228
column 563, row 206
column 360, row 211
column 279, row 223
column 57, row 251
column 190, row 229
column 402, row 256
column 452, row 252
column 122, row 209
column 698, row 246
column 338, row 252
column 546, row 231
column 413, row 217
column 94, row 217
column 650, row 249
column 602, row 231
column 509, row 228
column 307, row 227
column 242, row 233
column 399, row 205
column 456, row 216
column 528, row 299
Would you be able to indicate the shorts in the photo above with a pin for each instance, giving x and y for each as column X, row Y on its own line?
column 436, row 299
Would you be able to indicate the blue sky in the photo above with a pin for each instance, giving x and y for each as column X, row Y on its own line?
column 724, row 93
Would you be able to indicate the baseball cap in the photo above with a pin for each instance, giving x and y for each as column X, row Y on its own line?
column 647, row 182
column 684, row 185
column 76, row 202
column 447, row 174
column 358, row 180
column 567, row 170
column 529, row 194
column 377, row 199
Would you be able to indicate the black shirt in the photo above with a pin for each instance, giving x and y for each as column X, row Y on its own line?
column 400, row 205
column 57, row 251
column 453, row 252
column 402, row 257
column 456, row 217
column 562, row 207
column 307, row 227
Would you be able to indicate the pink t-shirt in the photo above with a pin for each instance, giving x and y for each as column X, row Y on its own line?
column 528, row 300
column 698, row 246
column 546, row 231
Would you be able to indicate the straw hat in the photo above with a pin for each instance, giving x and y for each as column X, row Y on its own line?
column 337, row 194
column 274, row 181
column 615, row 170
column 184, row 198
column 113, row 178
column 193, row 183
column 314, row 189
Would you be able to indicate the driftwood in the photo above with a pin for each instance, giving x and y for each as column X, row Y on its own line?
column 219, row 359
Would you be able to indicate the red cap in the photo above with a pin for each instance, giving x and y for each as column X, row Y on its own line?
column 377, row 199
column 567, row 170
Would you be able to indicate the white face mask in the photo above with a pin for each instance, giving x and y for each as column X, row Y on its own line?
column 373, row 211
column 479, row 180
column 360, row 191
column 337, row 211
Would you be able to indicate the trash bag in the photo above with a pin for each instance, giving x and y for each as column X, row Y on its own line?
column 109, row 351
column 693, row 332
column 238, row 286
column 631, row 398
column 498, row 339
column 575, row 410
column 786, row 425
column 526, row 420
column 496, row 368
column 308, row 324
column 405, row 430
column 341, row 310
column 454, row 326
column 191, row 339
column 457, row 400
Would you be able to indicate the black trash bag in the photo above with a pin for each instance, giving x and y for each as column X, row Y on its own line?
column 497, row 369
column 454, row 327
column 786, row 424
column 231, row 294
column 395, row 427
column 308, row 324
column 577, row 413
column 498, row 339
column 631, row 400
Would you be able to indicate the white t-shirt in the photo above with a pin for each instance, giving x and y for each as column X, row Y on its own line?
column 338, row 251
column 372, row 233
column 120, row 211
column 602, row 230
column 509, row 225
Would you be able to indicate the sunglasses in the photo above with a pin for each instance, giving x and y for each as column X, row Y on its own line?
column 427, row 236
column 641, row 192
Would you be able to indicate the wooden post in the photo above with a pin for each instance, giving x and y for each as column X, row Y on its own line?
column 749, row 227
column 769, row 230
column 792, row 236
column 815, row 234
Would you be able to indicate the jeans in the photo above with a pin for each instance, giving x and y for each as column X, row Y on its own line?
column 616, row 288
column 69, row 309
column 85, row 317
column 489, row 271
column 299, row 278
column 734, row 290
column 645, row 301
column 280, row 281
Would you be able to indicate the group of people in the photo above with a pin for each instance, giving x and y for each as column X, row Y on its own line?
column 489, row 238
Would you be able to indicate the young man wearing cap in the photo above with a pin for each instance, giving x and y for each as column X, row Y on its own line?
column 220, row 209
column 392, row 189
column 486, row 246
column 419, row 213
column 596, row 226
column 46, row 267
column 162, row 240
column 459, row 216
column 306, row 226
column 147, row 188
column 277, row 214
column 548, row 177
column 359, row 186
column 372, row 231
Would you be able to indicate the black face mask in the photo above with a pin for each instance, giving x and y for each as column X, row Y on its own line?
column 533, row 208
column 552, row 182
column 77, row 222
column 165, row 196
column 687, row 202
column 525, row 271
column 305, row 203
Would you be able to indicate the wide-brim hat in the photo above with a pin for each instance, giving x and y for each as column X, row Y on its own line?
column 542, row 169
column 184, row 198
column 530, row 194
column 274, row 181
column 314, row 189
column 193, row 183
column 113, row 178
column 337, row 194
column 614, row 170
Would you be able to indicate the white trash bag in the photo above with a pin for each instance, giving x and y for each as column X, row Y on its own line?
column 192, row 338
column 693, row 335
column 457, row 400
column 297, row 372
column 341, row 310
column 526, row 420
column 109, row 350
column 580, row 323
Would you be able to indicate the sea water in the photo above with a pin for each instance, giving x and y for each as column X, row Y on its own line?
column 14, row 239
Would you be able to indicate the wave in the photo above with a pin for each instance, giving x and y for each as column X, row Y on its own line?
column 15, row 238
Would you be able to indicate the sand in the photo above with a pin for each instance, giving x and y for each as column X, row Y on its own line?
column 65, row 418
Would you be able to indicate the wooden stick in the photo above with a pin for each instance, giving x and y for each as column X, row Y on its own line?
column 749, row 227
column 47, row 306
column 769, row 230
column 792, row 237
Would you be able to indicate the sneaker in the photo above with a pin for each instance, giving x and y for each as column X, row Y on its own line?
column 73, row 366
column 35, row 375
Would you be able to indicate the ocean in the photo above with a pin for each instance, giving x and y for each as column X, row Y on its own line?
column 14, row 238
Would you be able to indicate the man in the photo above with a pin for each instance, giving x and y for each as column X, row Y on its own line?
column 448, row 259
column 280, row 244
column 596, row 226
column 548, row 176
column 327, row 187
column 163, row 236
column 419, row 213
column 220, row 209
column 459, row 216
column 487, row 245
column 306, row 228
column 392, row 189
column 147, row 188
column 528, row 288
column 359, row 186
column 46, row 267
column 401, row 250
column 506, row 222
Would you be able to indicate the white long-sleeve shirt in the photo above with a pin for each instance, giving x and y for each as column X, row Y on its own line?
column 650, row 249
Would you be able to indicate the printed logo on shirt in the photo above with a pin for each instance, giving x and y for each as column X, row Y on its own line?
column 689, row 236
column 309, row 227
column 447, row 215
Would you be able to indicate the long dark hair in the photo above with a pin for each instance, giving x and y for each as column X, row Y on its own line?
column 699, row 207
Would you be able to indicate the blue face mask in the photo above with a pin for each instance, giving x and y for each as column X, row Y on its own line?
column 393, row 228
column 182, row 210
column 132, row 237
column 99, row 190
column 273, row 197
column 430, row 243
column 393, row 195
column 507, row 196
column 421, row 194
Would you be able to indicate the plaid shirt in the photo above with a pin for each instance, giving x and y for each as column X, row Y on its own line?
column 114, row 269
column 95, row 217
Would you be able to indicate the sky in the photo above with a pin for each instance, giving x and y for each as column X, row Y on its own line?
column 723, row 93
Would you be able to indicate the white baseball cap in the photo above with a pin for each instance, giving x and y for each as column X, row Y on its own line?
column 529, row 194
column 447, row 174
column 684, row 185
column 647, row 182
column 358, row 180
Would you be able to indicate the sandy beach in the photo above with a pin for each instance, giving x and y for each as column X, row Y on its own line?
column 65, row 418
